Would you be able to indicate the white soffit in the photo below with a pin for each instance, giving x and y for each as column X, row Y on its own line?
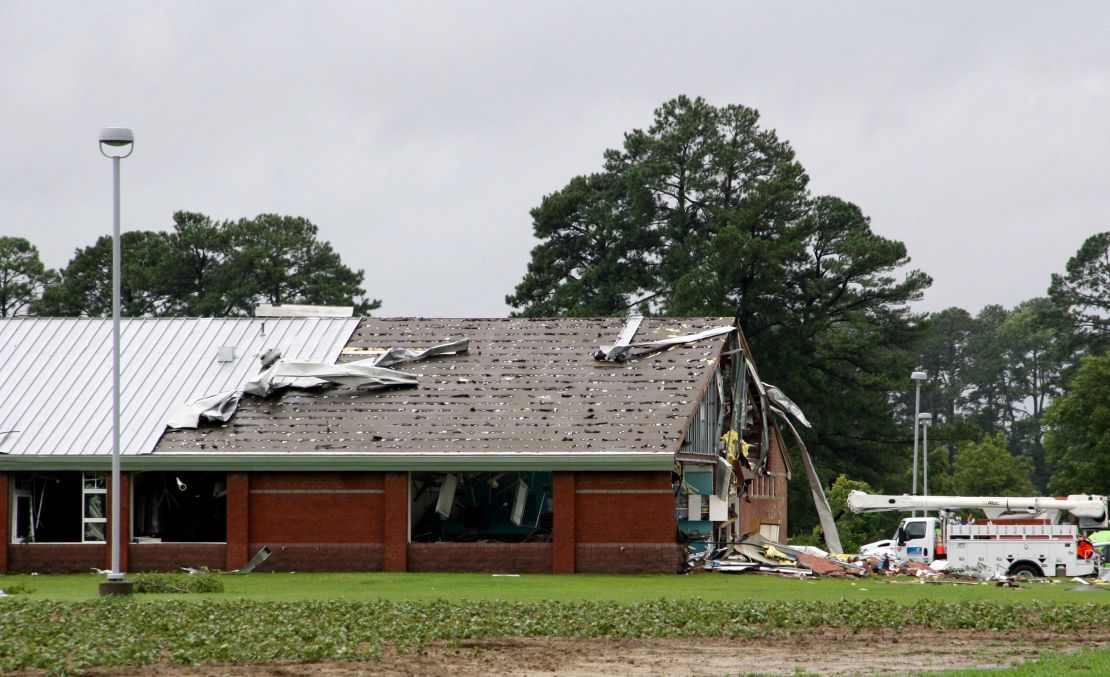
column 56, row 374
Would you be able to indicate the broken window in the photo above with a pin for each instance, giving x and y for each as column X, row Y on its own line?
column 58, row 507
column 94, row 501
column 184, row 507
column 501, row 507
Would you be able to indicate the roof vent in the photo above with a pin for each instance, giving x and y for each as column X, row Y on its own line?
column 225, row 354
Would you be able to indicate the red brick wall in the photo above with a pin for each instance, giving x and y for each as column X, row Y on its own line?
column 173, row 556
column 5, row 520
column 768, row 504
column 396, row 525
column 316, row 508
column 562, row 557
column 321, row 556
column 629, row 558
column 625, row 522
column 508, row 558
column 238, row 537
column 55, row 558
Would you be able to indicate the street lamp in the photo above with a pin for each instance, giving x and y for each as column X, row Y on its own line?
column 925, row 420
column 116, row 143
column 918, row 377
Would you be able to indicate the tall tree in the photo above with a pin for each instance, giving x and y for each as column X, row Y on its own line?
column 22, row 276
column 945, row 357
column 193, row 269
column 278, row 259
column 85, row 285
column 1078, row 438
column 1085, row 291
column 987, row 468
column 707, row 213
column 208, row 268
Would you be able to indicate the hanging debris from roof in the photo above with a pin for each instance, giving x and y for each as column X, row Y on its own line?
column 369, row 374
column 824, row 511
column 620, row 352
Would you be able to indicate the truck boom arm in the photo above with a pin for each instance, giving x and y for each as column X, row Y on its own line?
column 1089, row 507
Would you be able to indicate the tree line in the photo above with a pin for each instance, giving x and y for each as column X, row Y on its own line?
column 200, row 267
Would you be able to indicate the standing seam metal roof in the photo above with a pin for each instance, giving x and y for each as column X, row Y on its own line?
column 56, row 374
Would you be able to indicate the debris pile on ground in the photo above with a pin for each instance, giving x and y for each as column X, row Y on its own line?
column 760, row 556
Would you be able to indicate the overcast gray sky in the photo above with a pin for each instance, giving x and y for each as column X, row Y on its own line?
column 418, row 135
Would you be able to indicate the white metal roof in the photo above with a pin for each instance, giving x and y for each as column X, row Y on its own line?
column 56, row 374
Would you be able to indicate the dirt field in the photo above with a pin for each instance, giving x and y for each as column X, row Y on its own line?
column 822, row 652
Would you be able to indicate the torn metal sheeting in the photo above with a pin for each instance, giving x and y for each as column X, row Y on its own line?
column 619, row 353
column 359, row 374
column 786, row 404
column 259, row 557
column 765, row 447
column 824, row 511
column 402, row 355
column 277, row 373
column 216, row 408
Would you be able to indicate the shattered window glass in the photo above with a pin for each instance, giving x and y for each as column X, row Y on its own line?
column 481, row 507
column 179, row 507
column 94, row 505
column 94, row 496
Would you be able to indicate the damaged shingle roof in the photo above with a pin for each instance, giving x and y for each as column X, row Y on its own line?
column 526, row 385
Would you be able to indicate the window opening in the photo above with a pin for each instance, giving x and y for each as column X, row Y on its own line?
column 94, row 512
column 23, row 511
column 182, row 507
column 59, row 507
column 485, row 507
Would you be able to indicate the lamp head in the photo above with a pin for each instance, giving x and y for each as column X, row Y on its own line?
column 925, row 418
column 919, row 376
column 116, row 142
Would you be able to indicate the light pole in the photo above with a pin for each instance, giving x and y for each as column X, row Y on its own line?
column 918, row 377
column 925, row 420
column 116, row 143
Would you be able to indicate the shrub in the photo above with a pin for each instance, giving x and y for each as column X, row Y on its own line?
column 200, row 581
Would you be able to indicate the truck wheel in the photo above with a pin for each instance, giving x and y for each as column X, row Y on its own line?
column 1026, row 569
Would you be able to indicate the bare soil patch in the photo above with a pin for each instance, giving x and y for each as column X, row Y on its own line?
column 823, row 652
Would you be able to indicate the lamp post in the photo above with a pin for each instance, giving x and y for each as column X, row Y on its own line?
column 115, row 143
column 925, row 420
column 917, row 377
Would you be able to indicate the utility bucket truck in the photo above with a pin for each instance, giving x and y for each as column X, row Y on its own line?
column 1020, row 534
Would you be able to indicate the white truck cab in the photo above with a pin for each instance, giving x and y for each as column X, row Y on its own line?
column 914, row 540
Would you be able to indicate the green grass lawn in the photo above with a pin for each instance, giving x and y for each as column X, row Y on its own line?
column 59, row 624
column 1090, row 662
column 536, row 588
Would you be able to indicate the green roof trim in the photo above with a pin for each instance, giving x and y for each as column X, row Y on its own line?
column 477, row 462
